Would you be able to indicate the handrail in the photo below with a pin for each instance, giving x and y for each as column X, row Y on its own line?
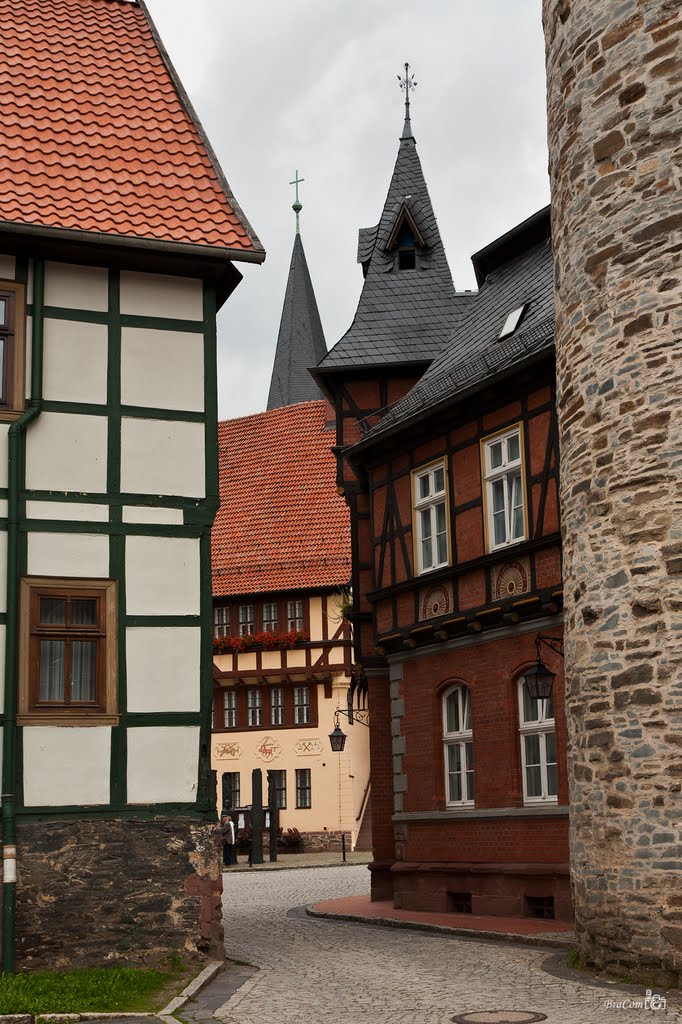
column 365, row 797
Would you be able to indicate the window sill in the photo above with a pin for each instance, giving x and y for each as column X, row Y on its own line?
column 67, row 721
column 468, row 813
column 7, row 415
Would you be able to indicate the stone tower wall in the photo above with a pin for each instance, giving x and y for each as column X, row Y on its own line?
column 614, row 74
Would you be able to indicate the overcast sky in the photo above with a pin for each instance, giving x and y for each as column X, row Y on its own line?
column 313, row 85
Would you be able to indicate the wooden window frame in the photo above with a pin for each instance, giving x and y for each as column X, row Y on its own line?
column 15, row 352
column 248, row 619
column 221, row 621
column 420, row 505
column 257, row 705
column 295, row 618
column 280, row 789
column 229, row 692
column 29, row 710
column 541, row 727
column 462, row 739
column 489, row 476
column 231, row 805
column 304, row 707
column 300, row 789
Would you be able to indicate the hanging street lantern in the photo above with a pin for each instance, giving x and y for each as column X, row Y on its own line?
column 539, row 679
column 337, row 737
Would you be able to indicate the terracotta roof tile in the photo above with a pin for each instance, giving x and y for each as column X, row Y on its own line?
column 281, row 525
column 94, row 135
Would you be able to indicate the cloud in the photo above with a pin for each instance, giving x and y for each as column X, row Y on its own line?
column 313, row 86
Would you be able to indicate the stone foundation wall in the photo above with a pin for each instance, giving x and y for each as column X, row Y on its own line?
column 614, row 74
column 91, row 893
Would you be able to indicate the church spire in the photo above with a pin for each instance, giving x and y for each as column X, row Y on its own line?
column 408, row 307
column 300, row 342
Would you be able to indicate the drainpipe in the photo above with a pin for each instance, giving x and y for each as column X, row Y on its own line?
column 14, row 482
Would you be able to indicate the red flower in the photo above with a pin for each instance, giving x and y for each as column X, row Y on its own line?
column 268, row 640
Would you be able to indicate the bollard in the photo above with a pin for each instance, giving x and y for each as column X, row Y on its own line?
column 343, row 846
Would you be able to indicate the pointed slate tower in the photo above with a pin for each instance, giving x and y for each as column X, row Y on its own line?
column 300, row 343
column 408, row 307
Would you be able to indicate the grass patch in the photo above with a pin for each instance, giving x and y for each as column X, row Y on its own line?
column 91, row 990
column 573, row 959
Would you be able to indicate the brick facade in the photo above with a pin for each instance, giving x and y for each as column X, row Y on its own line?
column 615, row 145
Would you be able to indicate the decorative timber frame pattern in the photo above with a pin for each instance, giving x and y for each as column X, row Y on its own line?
column 187, row 517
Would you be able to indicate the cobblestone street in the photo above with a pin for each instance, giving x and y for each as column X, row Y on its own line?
column 315, row 970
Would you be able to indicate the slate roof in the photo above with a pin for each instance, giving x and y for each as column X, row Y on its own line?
column 402, row 316
column 281, row 525
column 518, row 270
column 97, row 135
column 300, row 342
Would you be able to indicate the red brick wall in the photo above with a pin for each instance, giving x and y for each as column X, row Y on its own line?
column 490, row 670
column 381, row 758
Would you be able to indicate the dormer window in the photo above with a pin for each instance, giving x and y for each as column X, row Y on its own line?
column 512, row 321
column 407, row 251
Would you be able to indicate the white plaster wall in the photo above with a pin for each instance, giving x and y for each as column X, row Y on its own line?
column 162, row 457
column 67, row 510
column 149, row 514
column 162, row 369
column 66, row 452
column 74, row 287
column 75, row 362
column 163, row 764
column 178, row 298
column 4, row 428
column 66, row 766
column 162, row 575
column 163, row 668
column 68, row 554
column 7, row 268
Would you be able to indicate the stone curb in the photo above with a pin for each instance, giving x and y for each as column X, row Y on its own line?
column 212, row 970
column 203, row 978
column 548, row 941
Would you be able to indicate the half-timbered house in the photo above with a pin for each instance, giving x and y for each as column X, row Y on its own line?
column 447, row 440
column 281, row 573
column 118, row 235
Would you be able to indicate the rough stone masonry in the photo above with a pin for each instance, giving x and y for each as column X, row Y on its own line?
column 614, row 70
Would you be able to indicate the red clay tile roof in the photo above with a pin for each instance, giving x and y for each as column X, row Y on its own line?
column 94, row 135
column 281, row 525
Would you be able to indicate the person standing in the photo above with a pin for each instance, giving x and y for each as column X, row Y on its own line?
column 227, row 829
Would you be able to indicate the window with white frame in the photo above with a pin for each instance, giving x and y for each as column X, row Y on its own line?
column 301, row 705
column 270, row 617
column 247, row 619
column 277, row 706
column 458, row 747
column 295, row 614
column 538, row 747
column 254, row 706
column 221, row 620
column 503, row 465
column 230, row 708
column 304, row 796
column 430, row 510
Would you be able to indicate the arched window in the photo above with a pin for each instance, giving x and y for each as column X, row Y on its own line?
column 538, row 747
column 458, row 747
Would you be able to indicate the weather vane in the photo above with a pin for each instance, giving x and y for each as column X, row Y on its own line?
column 406, row 84
column 297, row 206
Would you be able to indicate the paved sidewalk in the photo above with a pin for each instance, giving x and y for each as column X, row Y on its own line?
column 382, row 912
column 301, row 860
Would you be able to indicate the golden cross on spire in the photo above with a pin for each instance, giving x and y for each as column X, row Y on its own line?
column 406, row 84
column 297, row 206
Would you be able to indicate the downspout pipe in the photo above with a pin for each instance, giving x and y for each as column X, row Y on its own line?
column 16, row 436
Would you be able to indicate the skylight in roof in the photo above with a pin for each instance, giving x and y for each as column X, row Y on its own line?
column 512, row 322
